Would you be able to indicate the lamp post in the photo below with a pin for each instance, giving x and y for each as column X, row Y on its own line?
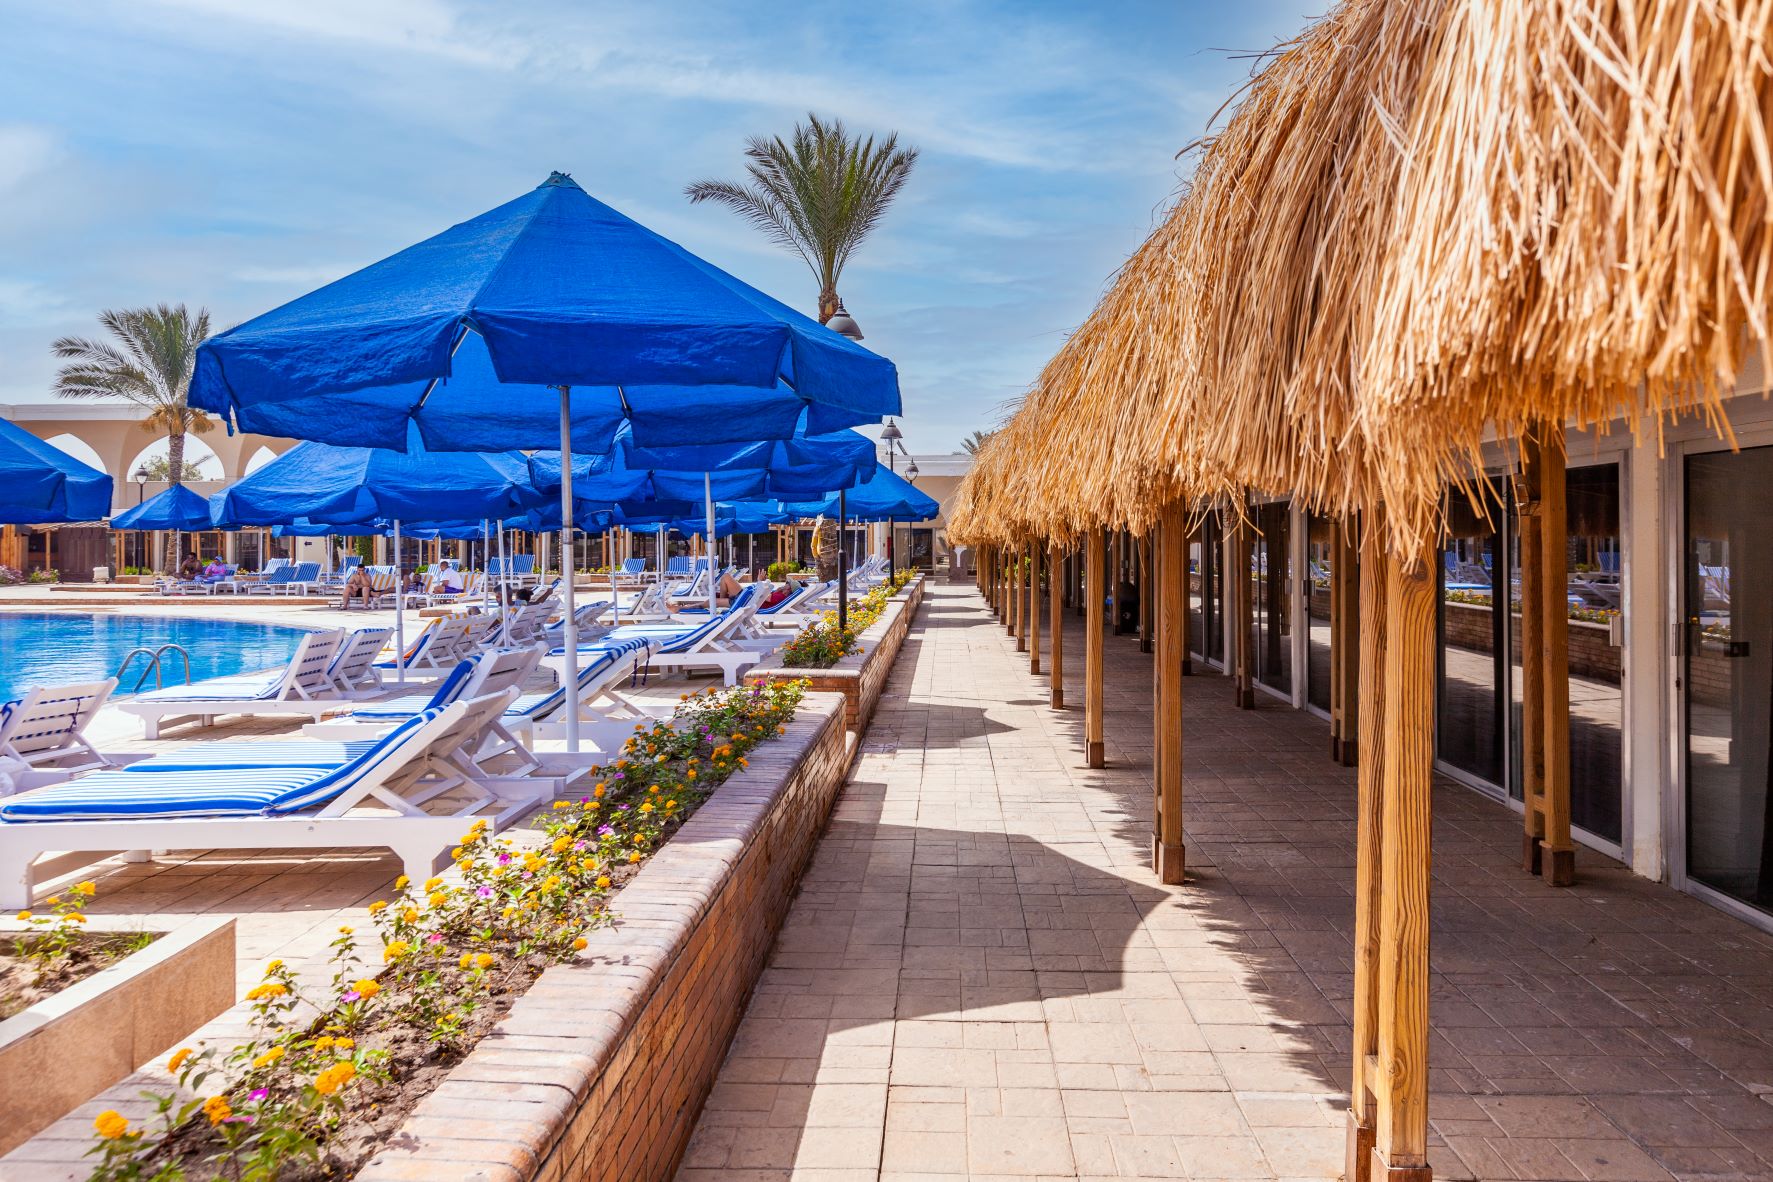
column 141, row 479
column 844, row 324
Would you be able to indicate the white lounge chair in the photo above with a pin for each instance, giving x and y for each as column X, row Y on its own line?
column 800, row 608
column 303, row 686
column 46, row 729
column 410, row 778
column 353, row 668
column 719, row 643
column 606, row 716
column 437, row 646
column 473, row 677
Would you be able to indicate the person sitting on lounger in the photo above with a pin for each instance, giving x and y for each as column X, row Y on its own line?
column 415, row 583
column 727, row 588
column 191, row 567
column 358, row 587
column 450, row 581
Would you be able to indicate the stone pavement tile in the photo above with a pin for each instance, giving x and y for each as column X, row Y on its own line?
column 909, row 1151
column 1020, row 1145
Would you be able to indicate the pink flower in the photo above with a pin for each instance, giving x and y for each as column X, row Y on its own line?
column 434, row 938
column 484, row 892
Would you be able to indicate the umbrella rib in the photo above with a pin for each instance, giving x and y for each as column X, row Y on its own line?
column 467, row 327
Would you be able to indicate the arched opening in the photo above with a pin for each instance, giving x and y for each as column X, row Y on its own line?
column 80, row 450
column 257, row 460
column 201, row 463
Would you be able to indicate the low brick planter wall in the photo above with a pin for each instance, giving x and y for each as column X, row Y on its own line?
column 600, row 1070
column 860, row 677
column 67, row 1048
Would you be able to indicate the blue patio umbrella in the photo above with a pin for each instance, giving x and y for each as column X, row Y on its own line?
column 888, row 497
column 176, row 508
column 43, row 485
column 551, row 320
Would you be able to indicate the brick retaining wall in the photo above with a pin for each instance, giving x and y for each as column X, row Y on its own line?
column 860, row 677
column 600, row 1069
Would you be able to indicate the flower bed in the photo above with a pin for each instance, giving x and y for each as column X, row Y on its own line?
column 861, row 675
column 322, row 1080
column 54, row 951
column 821, row 644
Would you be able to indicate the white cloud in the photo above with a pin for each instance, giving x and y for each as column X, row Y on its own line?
column 25, row 151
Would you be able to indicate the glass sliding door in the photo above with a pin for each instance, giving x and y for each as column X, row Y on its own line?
column 1271, row 621
column 1320, row 557
column 1206, row 591
column 1727, row 659
column 1595, row 595
column 1473, row 643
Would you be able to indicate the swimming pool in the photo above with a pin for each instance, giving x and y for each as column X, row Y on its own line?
column 58, row 648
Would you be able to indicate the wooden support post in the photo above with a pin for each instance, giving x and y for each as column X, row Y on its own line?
column 1527, row 511
column 1019, row 599
column 1057, row 562
column 1169, row 587
column 1147, row 593
column 1400, row 1082
column 1345, row 646
column 1079, row 559
column 1243, row 672
column 1034, row 608
column 1368, row 836
column 1557, row 853
column 1187, row 605
column 1095, row 564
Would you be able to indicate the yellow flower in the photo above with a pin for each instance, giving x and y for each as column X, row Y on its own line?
column 366, row 988
column 344, row 1044
column 344, row 929
column 178, row 1060
column 552, row 881
column 110, row 1125
column 648, row 806
column 438, row 898
column 379, row 906
column 409, row 915
column 335, row 1077
column 561, row 843
column 561, row 804
column 53, row 900
column 24, row 915
column 323, row 1043
column 76, row 917
column 670, row 804
column 594, row 805
column 395, row 951
column 85, row 888
column 603, row 882
column 456, row 854
column 269, row 1057
column 217, row 1109
column 273, row 967
column 467, row 959
column 580, row 944
column 432, row 884
column 400, row 883
column 268, row 989
column 483, row 961
column 691, row 773
column 634, row 857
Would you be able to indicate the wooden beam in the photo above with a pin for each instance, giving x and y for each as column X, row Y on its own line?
column 1345, row 645
column 1555, row 846
column 1243, row 673
column 1528, row 517
column 1019, row 599
column 1059, row 563
column 1168, row 586
column 1400, row 1125
column 1034, row 608
column 1369, row 798
column 1147, row 568
column 1095, row 564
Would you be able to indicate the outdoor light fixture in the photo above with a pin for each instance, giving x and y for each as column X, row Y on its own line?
column 843, row 323
column 141, row 478
column 911, row 471
column 891, row 435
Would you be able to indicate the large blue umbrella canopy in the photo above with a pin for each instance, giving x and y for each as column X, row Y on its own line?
column 43, row 485
column 470, row 333
column 325, row 484
column 804, row 465
column 888, row 497
column 176, row 508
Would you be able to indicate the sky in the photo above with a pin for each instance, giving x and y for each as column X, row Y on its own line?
column 235, row 154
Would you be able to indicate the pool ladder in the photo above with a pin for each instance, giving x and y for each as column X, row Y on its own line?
column 153, row 665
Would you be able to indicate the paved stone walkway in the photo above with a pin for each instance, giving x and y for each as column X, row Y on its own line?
column 981, row 977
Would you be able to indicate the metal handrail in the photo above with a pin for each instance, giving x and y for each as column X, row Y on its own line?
column 153, row 665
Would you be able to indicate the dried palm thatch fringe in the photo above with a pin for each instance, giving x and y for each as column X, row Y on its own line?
column 1581, row 233
column 1427, row 219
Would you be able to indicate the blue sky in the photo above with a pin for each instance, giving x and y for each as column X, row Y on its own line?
column 236, row 153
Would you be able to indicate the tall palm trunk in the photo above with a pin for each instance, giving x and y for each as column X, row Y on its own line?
column 828, row 302
column 175, row 456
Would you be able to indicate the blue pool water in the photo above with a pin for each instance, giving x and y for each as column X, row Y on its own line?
column 57, row 648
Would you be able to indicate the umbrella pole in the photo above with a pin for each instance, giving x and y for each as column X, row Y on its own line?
column 504, row 576
column 892, row 558
column 708, row 510
column 399, row 611
column 485, row 555
column 843, row 567
column 570, row 629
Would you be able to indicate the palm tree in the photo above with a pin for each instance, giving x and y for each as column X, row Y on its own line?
column 972, row 443
column 819, row 193
column 150, row 366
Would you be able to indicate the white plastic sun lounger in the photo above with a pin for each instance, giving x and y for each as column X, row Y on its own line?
column 606, row 716
column 473, row 677
column 437, row 646
column 47, row 728
column 353, row 669
column 211, row 807
column 718, row 644
column 800, row 608
column 304, row 686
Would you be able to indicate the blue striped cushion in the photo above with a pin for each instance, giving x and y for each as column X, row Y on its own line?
column 538, row 705
column 252, row 753
column 239, row 687
column 210, row 792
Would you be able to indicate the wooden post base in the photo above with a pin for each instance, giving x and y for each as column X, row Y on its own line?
column 1530, row 853
column 1342, row 751
column 1359, row 1158
column 1562, row 863
column 1169, row 862
column 1145, row 644
column 1095, row 755
column 1058, row 698
column 1246, row 697
column 1381, row 1172
column 1021, row 644
column 1188, row 666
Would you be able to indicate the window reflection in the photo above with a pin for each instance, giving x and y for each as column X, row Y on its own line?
column 1320, row 558
column 1206, row 590
column 1271, row 576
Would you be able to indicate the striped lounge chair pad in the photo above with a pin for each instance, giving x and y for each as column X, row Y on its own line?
column 253, row 753
column 618, row 644
column 534, row 705
column 209, row 792
column 406, row 705
column 668, row 639
column 234, row 688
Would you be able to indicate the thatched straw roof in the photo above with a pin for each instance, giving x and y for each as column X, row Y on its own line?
column 1426, row 218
